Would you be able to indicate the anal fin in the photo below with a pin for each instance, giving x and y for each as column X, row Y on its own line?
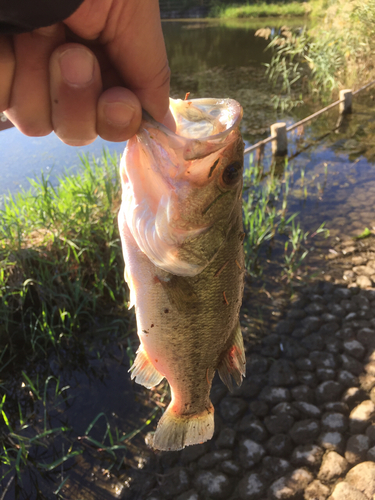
column 143, row 371
column 233, row 365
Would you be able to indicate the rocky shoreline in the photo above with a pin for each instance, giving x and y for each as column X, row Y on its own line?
column 302, row 425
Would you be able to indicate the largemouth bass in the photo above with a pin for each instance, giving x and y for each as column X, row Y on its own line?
column 181, row 230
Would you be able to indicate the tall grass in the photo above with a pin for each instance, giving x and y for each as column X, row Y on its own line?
column 260, row 9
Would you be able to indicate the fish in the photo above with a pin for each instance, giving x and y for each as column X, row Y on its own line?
column 182, row 235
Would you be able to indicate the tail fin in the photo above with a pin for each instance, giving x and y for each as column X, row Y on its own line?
column 174, row 431
column 234, row 362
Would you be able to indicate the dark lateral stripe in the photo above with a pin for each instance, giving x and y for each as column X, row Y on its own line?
column 213, row 168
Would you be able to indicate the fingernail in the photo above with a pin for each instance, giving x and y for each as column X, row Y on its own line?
column 77, row 66
column 118, row 114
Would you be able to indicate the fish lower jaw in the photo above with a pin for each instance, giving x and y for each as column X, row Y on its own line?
column 175, row 431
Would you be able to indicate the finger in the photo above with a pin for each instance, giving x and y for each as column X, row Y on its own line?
column 75, row 89
column 119, row 114
column 7, row 67
column 132, row 35
column 29, row 108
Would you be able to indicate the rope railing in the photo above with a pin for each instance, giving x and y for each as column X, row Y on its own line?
column 344, row 100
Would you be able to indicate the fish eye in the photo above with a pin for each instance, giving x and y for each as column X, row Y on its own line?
column 232, row 173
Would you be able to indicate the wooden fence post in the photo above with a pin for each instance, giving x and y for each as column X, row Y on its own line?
column 280, row 144
column 346, row 106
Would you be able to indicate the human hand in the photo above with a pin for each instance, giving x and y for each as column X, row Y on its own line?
column 97, row 86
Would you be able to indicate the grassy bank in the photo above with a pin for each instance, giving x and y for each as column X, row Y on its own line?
column 261, row 9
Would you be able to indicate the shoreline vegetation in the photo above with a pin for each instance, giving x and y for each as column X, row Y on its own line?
column 261, row 9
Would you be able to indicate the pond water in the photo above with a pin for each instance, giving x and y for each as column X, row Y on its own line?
column 332, row 181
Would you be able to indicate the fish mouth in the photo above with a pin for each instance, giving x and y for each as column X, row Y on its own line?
column 203, row 126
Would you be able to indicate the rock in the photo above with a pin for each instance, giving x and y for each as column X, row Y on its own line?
column 252, row 487
column 250, row 387
column 278, row 424
column 299, row 333
column 232, row 409
column 284, row 327
column 344, row 491
column 366, row 336
column 279, row 445
column 274, row 467
column 282, row 373
column 312, row 323
column 328, row 391
column 332, row 441
column 334, row 345
column 177, row 482
column 307, row 409
column 209, row 460
column 333, row 467
column 334, row 422
column 309, row 455
column 370, row 368
column 315, row 308
column 316, row 491
column 307, row 378
column 253, row 428
column 259, row 408
column 356, row 448
column 287, row 408
column 342, row 293
column 351, row 364
column 188, row 495
column 213, row 484
column 329, row 328
column 367, row 381
column 324, row 374
column 354, row 348
column 363, row 281
column 361, row 416
column 231, row 467
column 370, row 432
column 288, row 487
column 305, row 431
column 226, row 438
column 192, row 453
column 218, row 391
column 303, row 393
column 346, row 378
column 274, row 395
column 362, row 477
column 256, row 364
column 313, row 342
column 337, row 407
column 370, row 455
column 305, row 364
column 250, row 453
column 353, row 396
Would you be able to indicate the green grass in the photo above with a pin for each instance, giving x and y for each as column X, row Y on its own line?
column 261, row 9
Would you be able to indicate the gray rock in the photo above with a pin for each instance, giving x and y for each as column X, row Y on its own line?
column 307, row 409
column 362, row 477
column 370, row 455
column 305, row 431
column 274, row 467
column 313, row 342
column 275, row 395
column 259, row 408
column 278, row 424
column 279, row 445
column 316, row 491
column 354, row 395
column 218, row 391
column 324, row 374
column 337, row 310
column 249, row 388
column 354, row 348
column 192, row 453
column 293, row 349
column 305, row 364
column 370, row 432
column 347, row 379
column 328, row 391
column 209, row 460
column 252, row 487
column 356, row 448
column 284, row 327
column 296, row 313
column 312, row 323
column 309, row 455
column 232, row 409
column 315, row 308
column 342, row 293
column 231, row 467
column 334, row 345
column 307, row 378
column 329, row 328
column 177, row 482
column 337, row 407
column 213, row 484
column 328, row 317
column 366, row 336
column 282, row 373
column 287, row 408
column 361, row 416
column 344, row 491
column 303, row 393
column 226, row 438
column 250, row 453
column 299, row 333
column 351, row 364
column 332, row 441
column 336, row 422
column 288, row 487
column 253, row 428
column 333, row 467
column 256, row 364
column 188, row 495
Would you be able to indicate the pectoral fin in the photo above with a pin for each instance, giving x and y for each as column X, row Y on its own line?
column 143, row 371
column 233, row 364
